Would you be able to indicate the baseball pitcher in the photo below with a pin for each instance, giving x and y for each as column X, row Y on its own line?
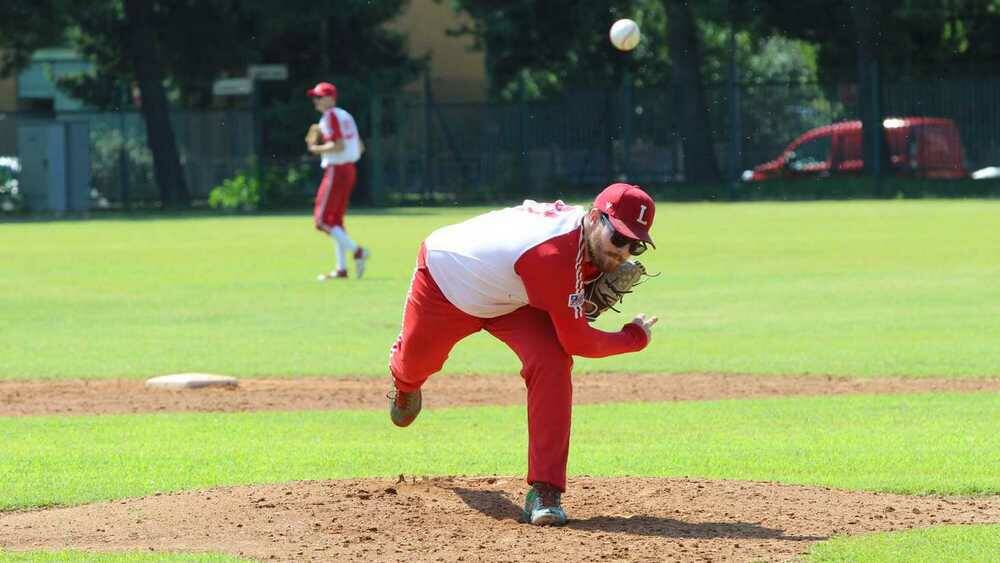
column 533, row 276
column 335, row 139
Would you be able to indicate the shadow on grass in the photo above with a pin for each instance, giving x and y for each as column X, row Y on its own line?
column 495, row 505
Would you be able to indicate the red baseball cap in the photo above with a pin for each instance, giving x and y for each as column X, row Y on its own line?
column 629, row 208
column 321, row 90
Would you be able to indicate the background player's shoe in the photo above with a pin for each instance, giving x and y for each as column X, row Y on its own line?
column 404, row 407
column 543, row 506
column 332, row 275
column 361, row 256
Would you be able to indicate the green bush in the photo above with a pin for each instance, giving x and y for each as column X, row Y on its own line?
column 11, row 198
column 240, row 193
column 287, row 185
column 276, row 186
column 117, row 159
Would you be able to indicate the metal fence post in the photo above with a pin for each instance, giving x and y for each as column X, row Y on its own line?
column 735, row 119
column 258, row 132
column 879, row 133
column 123, row 160
column 400, row 145
column 522, row 172
column 428, row 135
column 375, row 151
column 122, row 154
column 627, row 123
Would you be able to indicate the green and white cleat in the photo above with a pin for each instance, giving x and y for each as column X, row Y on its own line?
column 543, row 507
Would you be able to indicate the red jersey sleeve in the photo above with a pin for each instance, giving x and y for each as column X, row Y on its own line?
column 334, row 124
column 549, row 275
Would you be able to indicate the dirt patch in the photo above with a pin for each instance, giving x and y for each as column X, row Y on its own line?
column 78, row 397
column 473, row 519
column 477, row 519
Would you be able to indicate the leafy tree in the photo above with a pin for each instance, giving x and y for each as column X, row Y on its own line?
column 537, row 49
column 28, row 25
column 175, row 50
column 687, row 58
column 130, row 28
column 864, row 40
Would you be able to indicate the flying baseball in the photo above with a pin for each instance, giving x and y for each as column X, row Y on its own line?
column 625, row 34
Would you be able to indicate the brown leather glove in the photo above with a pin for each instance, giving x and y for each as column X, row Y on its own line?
column 608, row 290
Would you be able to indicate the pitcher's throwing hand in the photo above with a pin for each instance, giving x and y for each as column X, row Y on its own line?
column 645, row 324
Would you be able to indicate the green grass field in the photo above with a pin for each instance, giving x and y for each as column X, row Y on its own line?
column 854, row 288
column 925, row 443
column 867, row 289
column 946, row 544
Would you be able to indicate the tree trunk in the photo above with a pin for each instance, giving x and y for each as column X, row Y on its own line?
column 867, row 22
column 155, row 111
column 685, row 54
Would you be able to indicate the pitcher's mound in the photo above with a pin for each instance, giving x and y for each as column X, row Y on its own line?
column 478, row 519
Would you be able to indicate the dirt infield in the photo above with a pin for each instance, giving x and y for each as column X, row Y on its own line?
column 124, row 396
column 473, row 519
column 476, row 519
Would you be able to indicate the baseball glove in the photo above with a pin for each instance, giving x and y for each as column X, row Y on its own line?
column 608, row 289
column 314, row 135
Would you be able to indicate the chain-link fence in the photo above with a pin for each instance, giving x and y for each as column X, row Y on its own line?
column 431, row 151
column 213, row 145
column 421, row 151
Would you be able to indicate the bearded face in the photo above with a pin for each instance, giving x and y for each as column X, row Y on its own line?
column 604, row 255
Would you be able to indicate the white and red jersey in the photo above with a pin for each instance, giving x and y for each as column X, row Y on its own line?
column 531, row 254
column 336, row 124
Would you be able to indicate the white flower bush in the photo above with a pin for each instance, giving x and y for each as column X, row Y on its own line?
column 11, row 198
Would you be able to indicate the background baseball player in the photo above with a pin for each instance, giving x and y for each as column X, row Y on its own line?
column 335, row 138
column 522, row 274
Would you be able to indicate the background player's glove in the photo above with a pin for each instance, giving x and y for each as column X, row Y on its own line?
column 609, row 289
column 314, row 135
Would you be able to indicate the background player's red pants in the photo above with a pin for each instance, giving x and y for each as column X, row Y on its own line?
column 431, row 328
column 333, row 195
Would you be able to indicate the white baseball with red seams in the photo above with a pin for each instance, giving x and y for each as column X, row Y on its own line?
column 624, row 34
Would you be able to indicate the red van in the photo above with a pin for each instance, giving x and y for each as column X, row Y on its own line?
column 921, row 147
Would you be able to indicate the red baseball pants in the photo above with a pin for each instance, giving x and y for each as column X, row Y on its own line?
column 333, row 195
column 431, row 328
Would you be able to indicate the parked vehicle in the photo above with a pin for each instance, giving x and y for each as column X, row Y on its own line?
column 920, row 147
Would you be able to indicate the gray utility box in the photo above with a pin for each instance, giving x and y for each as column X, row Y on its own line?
column 55, row 165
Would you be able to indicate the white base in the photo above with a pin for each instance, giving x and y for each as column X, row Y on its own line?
column 190, row 381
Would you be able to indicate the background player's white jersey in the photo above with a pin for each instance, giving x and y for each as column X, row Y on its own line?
column 337, row 124
column 473, row 262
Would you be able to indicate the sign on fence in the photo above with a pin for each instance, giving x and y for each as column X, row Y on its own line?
column 268, row 72
column 232, row 87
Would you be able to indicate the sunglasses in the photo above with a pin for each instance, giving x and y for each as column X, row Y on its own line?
column 635, row 247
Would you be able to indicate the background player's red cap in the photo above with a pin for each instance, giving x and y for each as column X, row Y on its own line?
column 322, row 89
column 629, row 208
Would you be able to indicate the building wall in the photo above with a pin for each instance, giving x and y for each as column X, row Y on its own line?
column 8, row 103
column 457, row 72
column 8, row 93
